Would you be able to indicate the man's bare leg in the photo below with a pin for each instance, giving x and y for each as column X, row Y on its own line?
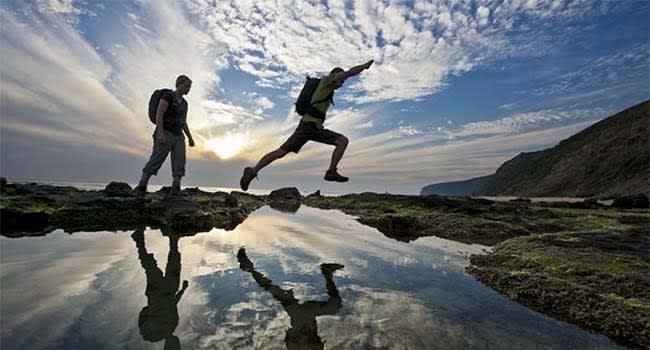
column 251, row 173
column 341, row 144
column 269, row 158
column 331, row 174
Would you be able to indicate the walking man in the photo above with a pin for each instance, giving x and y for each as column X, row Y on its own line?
column 171, row 122
column 310, row 127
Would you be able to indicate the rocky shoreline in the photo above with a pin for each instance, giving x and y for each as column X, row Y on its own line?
column 584, row 263
column 33, row 209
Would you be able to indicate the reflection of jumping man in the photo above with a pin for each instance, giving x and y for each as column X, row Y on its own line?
column 303, row 333
column 158, row 320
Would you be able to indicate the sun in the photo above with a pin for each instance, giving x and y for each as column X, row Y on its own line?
column 226, row 146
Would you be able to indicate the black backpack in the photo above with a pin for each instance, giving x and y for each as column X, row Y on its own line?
column 153, row 103
column 303, row 104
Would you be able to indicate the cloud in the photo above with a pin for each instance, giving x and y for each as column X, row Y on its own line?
column 58, row 6
column 95, row 91
column 367, row 125
column 416, row 47
column 483, row 15
column 264, row 103
column 622, row 67
column 54, row 73
column 524, row 121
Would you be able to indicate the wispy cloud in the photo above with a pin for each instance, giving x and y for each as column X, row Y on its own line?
column 416, row 47
column 97, row 92
column 58, row 6
column 524, row 122
column 604, row 71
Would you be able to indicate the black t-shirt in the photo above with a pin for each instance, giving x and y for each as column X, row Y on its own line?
column 176, row 114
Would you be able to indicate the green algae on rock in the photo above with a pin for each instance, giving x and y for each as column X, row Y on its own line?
column 598, row 280
column 33, row 209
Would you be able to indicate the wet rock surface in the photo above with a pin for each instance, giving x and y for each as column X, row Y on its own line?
column 464, row 219
column 598, row 280
column 33, row 209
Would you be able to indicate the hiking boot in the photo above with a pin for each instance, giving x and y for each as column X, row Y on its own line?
column 330, row 268
column 244, row 263
column 175, row 191
column 139, row 191
column 249, row 175
column 333, row 175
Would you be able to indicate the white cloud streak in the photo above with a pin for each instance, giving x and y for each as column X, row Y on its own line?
column 97, row 93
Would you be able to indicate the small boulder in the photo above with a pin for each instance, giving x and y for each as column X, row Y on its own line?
column 118, row 189
column 315, row 194
column 633, row 201
column 290, row 193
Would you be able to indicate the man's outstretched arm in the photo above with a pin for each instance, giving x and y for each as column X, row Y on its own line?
column 342, row 76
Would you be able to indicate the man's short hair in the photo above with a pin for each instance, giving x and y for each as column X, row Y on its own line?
column 337, row 70
column 182, row 79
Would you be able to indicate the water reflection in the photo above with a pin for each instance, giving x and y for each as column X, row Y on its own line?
column 159, row 318
column 303, row 333
column 397, row 295
column 285, row 206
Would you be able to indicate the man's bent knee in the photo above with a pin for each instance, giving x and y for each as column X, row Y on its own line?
column 342, row 141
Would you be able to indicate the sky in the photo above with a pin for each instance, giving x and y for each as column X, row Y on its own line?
column 457, row 87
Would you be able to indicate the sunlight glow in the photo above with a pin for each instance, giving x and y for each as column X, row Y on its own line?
column 227, row 146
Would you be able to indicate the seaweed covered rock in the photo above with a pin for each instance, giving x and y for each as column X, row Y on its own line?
column 286, row 193
column 118, row 189
column 33, row 209
column 594, row 279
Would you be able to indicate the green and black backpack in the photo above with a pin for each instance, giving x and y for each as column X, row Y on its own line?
column 304, row 104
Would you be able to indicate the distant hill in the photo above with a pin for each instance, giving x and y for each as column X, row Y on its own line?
column 456, row 188
column 609, row 158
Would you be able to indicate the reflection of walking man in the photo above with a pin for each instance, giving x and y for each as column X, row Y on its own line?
column 303, row 333
column 158, row 320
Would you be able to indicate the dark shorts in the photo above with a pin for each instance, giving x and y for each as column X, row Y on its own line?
column 308, row 131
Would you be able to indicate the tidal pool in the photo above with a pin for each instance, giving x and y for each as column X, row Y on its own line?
column 125, row 290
